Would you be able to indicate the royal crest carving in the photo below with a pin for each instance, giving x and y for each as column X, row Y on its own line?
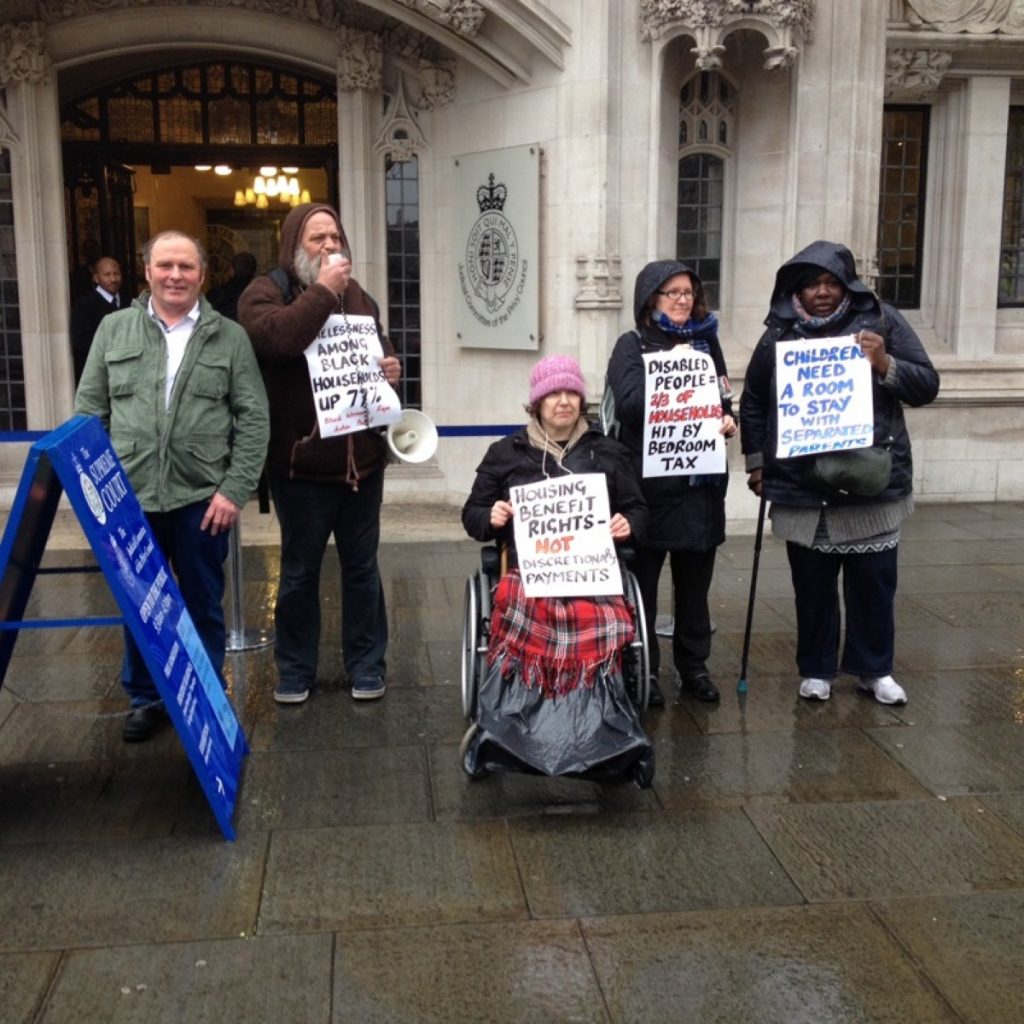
column 912, row 75
column 360, row 60
column 23, row 56
column 976, row 17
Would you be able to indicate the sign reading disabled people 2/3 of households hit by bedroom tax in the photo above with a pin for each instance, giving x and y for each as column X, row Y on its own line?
column 563, row 538
column 682, row 428
column 824, row 396
column 141, row 582
column 349, row 387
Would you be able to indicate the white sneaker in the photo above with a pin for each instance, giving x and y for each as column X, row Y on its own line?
column 885, row 689
column 816, row 689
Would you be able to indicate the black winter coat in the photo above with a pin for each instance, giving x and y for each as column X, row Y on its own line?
column 787, row 481
column 684, row 516
column 513, row 461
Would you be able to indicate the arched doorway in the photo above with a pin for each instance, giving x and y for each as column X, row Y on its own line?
column 182, row 146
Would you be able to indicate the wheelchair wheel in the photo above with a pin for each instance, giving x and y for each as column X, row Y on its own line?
column 476, row 615
column 636, row 658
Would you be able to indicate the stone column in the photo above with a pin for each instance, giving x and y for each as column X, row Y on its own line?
column 360, row 172
column 32, row 118
column 974, row 271
column 836, row 131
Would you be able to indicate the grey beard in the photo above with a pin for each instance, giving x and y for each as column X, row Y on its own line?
column 306, row 270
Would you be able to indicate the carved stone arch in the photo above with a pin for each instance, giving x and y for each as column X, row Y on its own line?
column 785, row 25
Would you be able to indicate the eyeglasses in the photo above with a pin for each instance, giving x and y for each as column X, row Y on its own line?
column 675, row 295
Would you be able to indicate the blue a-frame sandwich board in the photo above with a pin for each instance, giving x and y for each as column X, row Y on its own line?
column 78, row 459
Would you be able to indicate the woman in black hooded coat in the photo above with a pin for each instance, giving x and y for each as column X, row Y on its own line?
column 817, row 294
column 687, row 513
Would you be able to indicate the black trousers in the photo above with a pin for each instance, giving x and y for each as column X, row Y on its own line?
column 691, row 582
column 869, row 597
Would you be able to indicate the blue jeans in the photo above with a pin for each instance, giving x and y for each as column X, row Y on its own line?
column 197, row 559
column 691, row 583
column 869, row 596
column 309, row 514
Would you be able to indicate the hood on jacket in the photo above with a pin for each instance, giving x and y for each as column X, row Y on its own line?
column 818, row 258
column 292, row 228
column 651, row 278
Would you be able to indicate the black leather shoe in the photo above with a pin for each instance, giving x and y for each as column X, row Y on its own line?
column 655, row 698
column 701, row 687
column 142, row 724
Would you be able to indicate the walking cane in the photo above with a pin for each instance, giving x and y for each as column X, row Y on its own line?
column 741, row 686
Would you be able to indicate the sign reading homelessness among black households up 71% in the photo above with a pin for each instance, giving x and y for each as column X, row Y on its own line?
column 824, row 396
column 563, row 537
column 682, row 428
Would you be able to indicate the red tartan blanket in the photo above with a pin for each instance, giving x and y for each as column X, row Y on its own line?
column 555, row 643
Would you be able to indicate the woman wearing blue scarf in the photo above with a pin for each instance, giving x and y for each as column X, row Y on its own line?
column 687, row 513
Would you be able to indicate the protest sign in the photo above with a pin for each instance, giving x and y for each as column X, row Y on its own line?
column 683, row 414
column 349, row 387
column 563, row 537
column 824, row 396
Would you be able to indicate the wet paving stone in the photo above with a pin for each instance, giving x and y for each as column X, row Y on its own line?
column 63, row 677
column 62, row 895
column 800, row 766
column 24, row 979
column 458, row 797
column 92, row 800
column 963, row 696
column 307, row 789
column 379, row 876
column 256, row 980
column 955, row 760
column 627, row 863
column 944, row 648
column 1009, row 808
column 800, row 965
column 485, row 973
column 886, row 850
column 970, row 947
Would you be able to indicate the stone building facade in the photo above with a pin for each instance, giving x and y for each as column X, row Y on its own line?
column 729, row 132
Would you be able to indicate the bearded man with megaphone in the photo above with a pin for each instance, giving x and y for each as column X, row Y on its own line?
column 323, row 484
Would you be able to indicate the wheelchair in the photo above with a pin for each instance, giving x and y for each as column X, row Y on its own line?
column 476, row 630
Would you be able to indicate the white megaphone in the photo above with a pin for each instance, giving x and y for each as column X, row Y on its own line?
column 413, row 438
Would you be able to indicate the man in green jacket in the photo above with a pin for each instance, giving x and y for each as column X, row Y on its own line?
column 177, row 387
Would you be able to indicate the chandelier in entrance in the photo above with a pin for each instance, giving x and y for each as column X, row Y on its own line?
column 271, row 184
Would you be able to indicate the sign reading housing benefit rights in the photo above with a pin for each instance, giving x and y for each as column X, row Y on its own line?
column 824, row 396
column 141, row 582
column 682, row 425
column 563, row 537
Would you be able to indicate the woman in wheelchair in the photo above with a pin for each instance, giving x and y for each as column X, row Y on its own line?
column 550, row 695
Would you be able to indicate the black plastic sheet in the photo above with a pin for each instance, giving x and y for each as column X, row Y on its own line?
column 590, row 733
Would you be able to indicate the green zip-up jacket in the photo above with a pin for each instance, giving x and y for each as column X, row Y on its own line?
column 211, row 438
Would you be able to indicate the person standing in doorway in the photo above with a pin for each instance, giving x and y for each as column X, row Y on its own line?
column 103, row 298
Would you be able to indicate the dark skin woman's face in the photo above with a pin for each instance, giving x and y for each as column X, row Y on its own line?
column 822, row 296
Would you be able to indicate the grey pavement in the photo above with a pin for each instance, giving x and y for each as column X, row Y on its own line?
column 794, row 863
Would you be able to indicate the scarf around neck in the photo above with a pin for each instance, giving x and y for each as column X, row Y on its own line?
column 817, row 322
column 539, row 439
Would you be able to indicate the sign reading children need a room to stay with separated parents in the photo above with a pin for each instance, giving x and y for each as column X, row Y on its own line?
column 563, row 537
column 682, row 426
column 824, row 396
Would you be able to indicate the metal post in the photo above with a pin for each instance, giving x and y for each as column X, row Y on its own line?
column 238, row 637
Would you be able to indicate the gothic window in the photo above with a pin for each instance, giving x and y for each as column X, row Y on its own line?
column 12, row 374
column 402, row 205
column 707, row 116
column 1011, row 254
column 901, row 204
column 218, row 103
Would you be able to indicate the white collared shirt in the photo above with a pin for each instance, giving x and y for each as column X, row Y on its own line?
column 112, row 299
column 177, row 341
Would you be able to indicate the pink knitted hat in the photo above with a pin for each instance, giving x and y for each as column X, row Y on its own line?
column 556, row 373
